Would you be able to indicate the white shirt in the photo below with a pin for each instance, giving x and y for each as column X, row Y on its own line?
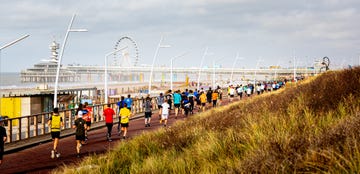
column 165, row 108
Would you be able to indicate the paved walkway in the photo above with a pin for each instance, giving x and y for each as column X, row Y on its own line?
column 37, row 159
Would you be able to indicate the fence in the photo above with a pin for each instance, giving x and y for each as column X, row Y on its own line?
column 27, row 127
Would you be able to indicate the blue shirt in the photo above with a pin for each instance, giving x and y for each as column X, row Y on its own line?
column 177, row 98
column 128, row 102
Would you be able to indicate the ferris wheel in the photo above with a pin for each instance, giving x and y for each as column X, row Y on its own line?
column 129, row 56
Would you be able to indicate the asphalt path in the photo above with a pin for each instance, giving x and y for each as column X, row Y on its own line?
column 37, row 159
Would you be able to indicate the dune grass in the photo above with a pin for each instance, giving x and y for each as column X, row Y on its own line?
column 313, row 127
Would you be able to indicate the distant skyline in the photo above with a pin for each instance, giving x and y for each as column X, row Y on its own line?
column 274, row 31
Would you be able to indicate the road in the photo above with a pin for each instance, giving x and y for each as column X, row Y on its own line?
column 37, row 159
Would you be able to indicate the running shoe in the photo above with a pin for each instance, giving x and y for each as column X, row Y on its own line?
column 53, row 154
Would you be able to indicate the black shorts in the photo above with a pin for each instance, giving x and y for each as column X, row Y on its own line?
column 1, row 152
column 124, row 124
column 159, row 106
column 55, row 135
column 80, row 137
column 147, row 114
column 88, row 123
column 203, row 104
column 177, row 105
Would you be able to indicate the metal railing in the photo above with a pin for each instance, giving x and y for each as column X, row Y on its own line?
column 27, row 127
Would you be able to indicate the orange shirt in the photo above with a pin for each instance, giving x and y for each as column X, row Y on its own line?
column 214, row 96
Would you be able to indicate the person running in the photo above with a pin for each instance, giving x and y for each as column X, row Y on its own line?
column 203, row 100
column 55, row 123
column 177, row 102
column 147, row 105
column 165, row 113
column 168, row 97
column 87, row 116
column 248, row 91
column 160, row 100
column 220, row 96
column 120, row 104
column 187, row 105
column 232, row 93
column 80, row 126
column 191, row 97
column 209, row 95
column 240, row 91
column 214, row 97
column 3, row 137
column 125, row 114
column 109, row 113
column 129, row 102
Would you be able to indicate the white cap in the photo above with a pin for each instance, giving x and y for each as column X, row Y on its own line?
column 80, row 114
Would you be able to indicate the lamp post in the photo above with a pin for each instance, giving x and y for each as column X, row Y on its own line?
column 152, row 66
column 61, row 54
column 5, row 46
column 200, row 68
column 106, row 73
column 171, row 69
column 232, row 70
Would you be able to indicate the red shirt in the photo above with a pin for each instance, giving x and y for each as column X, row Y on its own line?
column 108, row 113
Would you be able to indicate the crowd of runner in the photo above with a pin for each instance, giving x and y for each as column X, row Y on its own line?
column 182, row 103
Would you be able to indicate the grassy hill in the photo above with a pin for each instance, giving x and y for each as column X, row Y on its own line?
column 313, row 127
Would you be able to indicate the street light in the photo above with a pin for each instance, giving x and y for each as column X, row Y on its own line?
column 201, row 64
column 232, row 70
column 5, row 46
column 61, row 54
column 171, row 69
column 152, row 66
column 106, row 74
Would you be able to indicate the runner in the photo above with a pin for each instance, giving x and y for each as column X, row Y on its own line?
column 191, row 97
column 209, row 95
column 87, row 116
column 160, row 100
column 240, row 91
column 3, row 138
column 165, row 113
column 147, row 107
column 120, row 104
column 232, row 93
column 214, row 97
column 177, row 102
column 109, row 113
column 55, row 123
column 80, row 126
column 125, row 114
column 202, row 99
column 129, row 102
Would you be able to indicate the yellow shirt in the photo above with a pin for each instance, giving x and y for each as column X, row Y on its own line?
column 124, row 115
column 203, row 98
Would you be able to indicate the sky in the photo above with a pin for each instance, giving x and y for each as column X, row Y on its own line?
column 263, row 33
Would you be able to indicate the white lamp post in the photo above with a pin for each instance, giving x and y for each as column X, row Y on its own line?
column 171, row 69
column 232, row 70
column 152, row 66
column 5, row 46
column 61, row 54
column 106, row 73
